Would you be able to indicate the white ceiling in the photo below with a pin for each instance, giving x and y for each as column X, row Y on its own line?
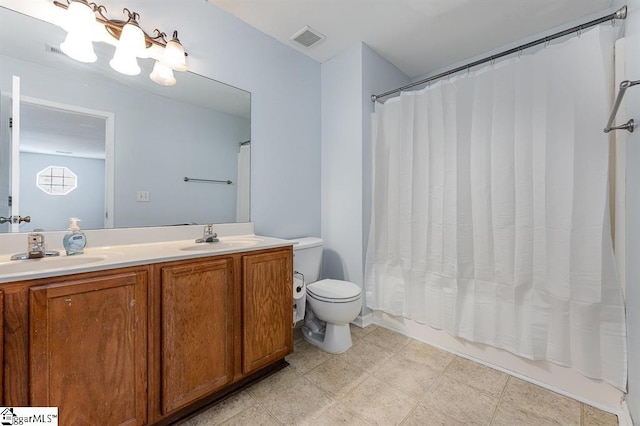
column 54, row 131
column 417, row 36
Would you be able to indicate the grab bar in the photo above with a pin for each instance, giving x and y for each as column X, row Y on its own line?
column 186, row 179
column 629, row 125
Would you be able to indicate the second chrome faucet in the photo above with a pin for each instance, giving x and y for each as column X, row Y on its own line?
column 208, row 236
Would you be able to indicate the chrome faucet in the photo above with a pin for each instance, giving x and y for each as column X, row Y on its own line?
column 35, row 245
column 35, row 248
column 208, row 236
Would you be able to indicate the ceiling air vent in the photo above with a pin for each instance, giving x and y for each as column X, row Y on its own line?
column 53, row 49
column 308, row 37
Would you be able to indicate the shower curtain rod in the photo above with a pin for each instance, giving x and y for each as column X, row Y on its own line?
column 618, row 14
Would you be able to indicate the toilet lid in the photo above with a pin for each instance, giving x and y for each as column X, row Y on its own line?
column 334, row 289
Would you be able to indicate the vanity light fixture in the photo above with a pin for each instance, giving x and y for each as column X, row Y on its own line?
column 86, row 23
column 173, row 55
column 79, row 25
column 130, row 45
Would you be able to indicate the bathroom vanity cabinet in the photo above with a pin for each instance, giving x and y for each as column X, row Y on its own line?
column 196, row 329
column 265, row 341
column 88, row 347
column 146, row 344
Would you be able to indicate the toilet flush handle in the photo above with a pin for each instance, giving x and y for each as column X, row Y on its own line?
column 299, row 288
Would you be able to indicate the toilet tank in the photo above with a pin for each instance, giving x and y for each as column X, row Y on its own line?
column 307, row 257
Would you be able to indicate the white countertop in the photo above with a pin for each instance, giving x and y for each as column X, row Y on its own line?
column 119, row 256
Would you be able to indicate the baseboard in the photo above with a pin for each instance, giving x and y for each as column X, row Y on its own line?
column 363, row 320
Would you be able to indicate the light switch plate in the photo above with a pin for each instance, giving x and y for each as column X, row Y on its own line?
column 142, row 196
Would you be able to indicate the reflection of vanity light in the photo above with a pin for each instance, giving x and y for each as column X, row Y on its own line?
column 85, row 23
column 162, row 74
column 79, row 48
column 125, row 63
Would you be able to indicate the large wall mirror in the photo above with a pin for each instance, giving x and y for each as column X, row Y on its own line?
column 111, row 149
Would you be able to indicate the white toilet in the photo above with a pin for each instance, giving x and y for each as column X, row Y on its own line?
column 331, row 304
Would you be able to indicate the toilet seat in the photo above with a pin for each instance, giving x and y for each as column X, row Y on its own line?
column 334, row 291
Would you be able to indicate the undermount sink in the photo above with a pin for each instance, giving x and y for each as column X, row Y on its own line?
column 35, row 265
column 222, row 245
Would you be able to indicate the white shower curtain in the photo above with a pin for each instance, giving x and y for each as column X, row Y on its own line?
column 490, row 215
column 243, row 184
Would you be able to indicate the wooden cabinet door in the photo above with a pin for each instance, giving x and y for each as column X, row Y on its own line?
column 197, row 334
column 88, row 349
column 267, row 308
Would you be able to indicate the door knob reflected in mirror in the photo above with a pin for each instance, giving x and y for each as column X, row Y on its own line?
column 15, row 219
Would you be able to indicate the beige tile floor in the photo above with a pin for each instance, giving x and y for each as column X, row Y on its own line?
column 389, row 379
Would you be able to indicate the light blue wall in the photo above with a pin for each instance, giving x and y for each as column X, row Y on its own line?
column 348, row 81
column 285, row 109
column 342, row 165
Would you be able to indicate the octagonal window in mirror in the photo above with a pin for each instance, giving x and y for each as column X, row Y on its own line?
column 57, row 180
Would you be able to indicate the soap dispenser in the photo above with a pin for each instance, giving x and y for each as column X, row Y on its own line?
column 74, row 241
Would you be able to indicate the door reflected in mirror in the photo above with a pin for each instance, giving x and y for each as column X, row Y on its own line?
column 199, row 128
column 63, row 166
